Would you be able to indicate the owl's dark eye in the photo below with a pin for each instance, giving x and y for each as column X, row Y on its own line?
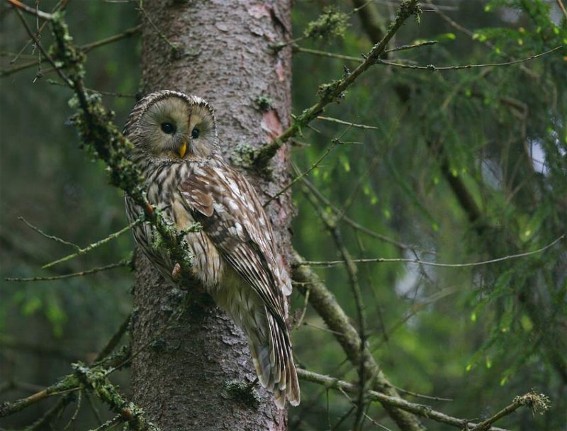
column 168, row 128
column 195, row 133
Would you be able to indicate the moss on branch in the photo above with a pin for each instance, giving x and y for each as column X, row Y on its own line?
column 102, row 139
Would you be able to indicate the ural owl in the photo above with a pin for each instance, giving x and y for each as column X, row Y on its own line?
column 235, row 256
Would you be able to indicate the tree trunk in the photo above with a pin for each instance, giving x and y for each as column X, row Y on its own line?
column 221, row 51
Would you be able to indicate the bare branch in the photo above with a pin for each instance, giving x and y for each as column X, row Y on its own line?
column 352, row 272
column 51, row 237
column 94, row 245
column 32, row 11
column 84, row 48
column 40, row 46
column 297, row 48
column 434, row 68
column 121, row 264
column 339, row 323
column 347, row 123
column 539, row 403
column 416, row 261
column 417, row 409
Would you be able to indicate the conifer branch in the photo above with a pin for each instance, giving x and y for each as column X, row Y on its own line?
column 334, row 91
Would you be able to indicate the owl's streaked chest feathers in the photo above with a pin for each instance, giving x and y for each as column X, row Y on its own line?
column 163, row 192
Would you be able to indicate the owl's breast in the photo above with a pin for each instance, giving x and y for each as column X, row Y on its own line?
column 207, row 265
column 162, row 183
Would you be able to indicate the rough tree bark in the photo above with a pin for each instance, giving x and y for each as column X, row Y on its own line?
column 221, row 51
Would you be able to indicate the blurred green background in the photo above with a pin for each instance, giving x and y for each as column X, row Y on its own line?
column 471, row 337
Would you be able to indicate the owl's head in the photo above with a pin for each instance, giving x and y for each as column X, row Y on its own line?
column 172, row 126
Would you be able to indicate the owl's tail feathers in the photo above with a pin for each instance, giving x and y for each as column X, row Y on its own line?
column 274, row 364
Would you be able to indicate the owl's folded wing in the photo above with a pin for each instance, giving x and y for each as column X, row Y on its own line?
column 232, row 216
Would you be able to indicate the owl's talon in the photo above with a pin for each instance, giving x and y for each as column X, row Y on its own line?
column 176, row 272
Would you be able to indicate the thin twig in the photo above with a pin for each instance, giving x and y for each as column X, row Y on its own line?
column 122, row 263
column 40, row 47
column 114, row 340
column 93, row 407
column 347, row 123
column 157, row 30
column 32, row 11
column 299, row 321
column 301, row 175
column 109, row 424
column 92, row 246
column 297, row 48
column 331, row 263
column 434, row 68
column 76, row 413
column 51, row 237
column 354, row 224
column 111, row 39
column 425, row 397
column 53, row 413
column 101, row 92
column 411, row 46
column 27, row 44
column 471, row 34
column 562, row 7
column 365, row 377
column 84, row 48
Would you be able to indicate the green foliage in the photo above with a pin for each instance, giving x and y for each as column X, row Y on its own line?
column 46, row 178
column 499, row 133
column 331, row 23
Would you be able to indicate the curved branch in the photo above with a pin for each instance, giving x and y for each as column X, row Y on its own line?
column 417, row 409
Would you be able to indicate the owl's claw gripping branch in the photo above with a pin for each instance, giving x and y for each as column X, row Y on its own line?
column 149, row 210
column 176, row 272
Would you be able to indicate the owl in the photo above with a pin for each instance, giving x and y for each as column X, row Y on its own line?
column 234, row 254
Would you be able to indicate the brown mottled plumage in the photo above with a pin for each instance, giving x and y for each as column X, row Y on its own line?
column 235, row 257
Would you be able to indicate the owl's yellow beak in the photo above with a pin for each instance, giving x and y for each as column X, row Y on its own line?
column 182, row 149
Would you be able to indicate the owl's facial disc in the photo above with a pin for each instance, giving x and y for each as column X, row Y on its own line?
column 176, row 129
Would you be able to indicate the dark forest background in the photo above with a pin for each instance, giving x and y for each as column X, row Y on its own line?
column 452, row 166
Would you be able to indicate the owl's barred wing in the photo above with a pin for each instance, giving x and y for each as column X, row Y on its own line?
column 227, row 207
